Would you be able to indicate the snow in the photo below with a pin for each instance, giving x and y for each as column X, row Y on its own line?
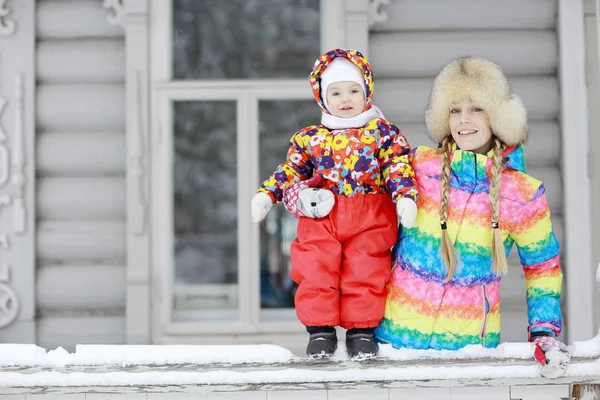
column 128, row 355
column 256, row 364
column 28, row 355
column 587, row 348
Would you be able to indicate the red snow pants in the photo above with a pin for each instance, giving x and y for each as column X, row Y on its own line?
column 342, row 262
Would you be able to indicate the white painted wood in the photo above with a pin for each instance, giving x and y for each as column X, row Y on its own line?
column 478, row 393
column 300, row 395
column 551, row 178
column 86, row 18
column 404, row 100
column 597, row 12
column 80, row 287
column 461, row 14
column 160, row 70
column 80, row 60
column 592, row 22
column 574, row 123
column 225, row 391
column 76, row 199
column 161, row 35
column 19, row 332
column 176, row 396
column 78, row 396
column 239, row 395
column 17, row 143
column 112, row 396
column 333, row 24
column 138, row 301
column 80, row 241
column 358, row 394
column 68, row 332
column 84, row 107
column 80, row 154
column 513, row 323
column 420, row 394
column 138, row 171
column 549, row 392
column 116, row 14
column 511, row 49
column 357, row 25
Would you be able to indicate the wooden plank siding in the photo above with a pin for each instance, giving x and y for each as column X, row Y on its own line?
column 421, row 36
column 80, row 158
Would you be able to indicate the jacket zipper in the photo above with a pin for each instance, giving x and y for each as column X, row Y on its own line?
column 486, row 307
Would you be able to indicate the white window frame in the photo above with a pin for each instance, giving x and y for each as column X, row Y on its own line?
column 247, row 94
column 163, row 91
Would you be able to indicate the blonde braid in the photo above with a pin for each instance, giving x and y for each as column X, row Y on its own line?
column 499, row 262
column 447, row 249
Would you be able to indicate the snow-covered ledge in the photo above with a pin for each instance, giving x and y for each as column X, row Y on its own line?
column 272, row 372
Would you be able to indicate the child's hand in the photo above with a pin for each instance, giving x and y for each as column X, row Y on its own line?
column 261, row 204
column 407, row 212
column 552, row 355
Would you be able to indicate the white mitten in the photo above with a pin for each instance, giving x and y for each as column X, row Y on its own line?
column 261, row 204
column 552, row 355
column 315, row 202
column 407, row 212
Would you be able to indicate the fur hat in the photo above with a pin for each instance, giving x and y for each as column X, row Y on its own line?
column 341, row 70
column 483, row 83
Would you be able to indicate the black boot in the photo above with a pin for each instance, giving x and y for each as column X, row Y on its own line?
column 361, row 344
column 322, row 342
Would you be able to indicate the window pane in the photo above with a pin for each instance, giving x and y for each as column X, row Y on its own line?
column 245, row 38
column 205, row 210
column 278, row 122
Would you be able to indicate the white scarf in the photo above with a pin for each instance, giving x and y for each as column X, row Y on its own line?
column 357, row 121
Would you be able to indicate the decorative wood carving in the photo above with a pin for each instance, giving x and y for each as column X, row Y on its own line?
column 9, row 302
column 116, row 12
column 19, row 179
column 7, row 26
column 377, row 11
column 4, row 153
column 137, row 159
column 4, row 162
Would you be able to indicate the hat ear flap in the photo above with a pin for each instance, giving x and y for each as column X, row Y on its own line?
column 509, row 121
column 436, row 120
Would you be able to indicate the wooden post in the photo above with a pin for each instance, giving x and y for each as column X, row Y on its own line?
column 586, row 392
column 138, row 245
column 17, row 175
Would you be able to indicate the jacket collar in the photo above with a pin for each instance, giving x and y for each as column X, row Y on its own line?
column 470, row 166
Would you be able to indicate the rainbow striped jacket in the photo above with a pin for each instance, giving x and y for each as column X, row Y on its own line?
column 422, row 311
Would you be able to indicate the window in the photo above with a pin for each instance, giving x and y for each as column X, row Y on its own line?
column 229, row 89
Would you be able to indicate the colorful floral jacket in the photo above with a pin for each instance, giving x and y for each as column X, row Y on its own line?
column 422, row 311
column 371, row 159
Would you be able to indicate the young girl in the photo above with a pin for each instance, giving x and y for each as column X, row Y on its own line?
column 475, row 202
column 341, row 257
